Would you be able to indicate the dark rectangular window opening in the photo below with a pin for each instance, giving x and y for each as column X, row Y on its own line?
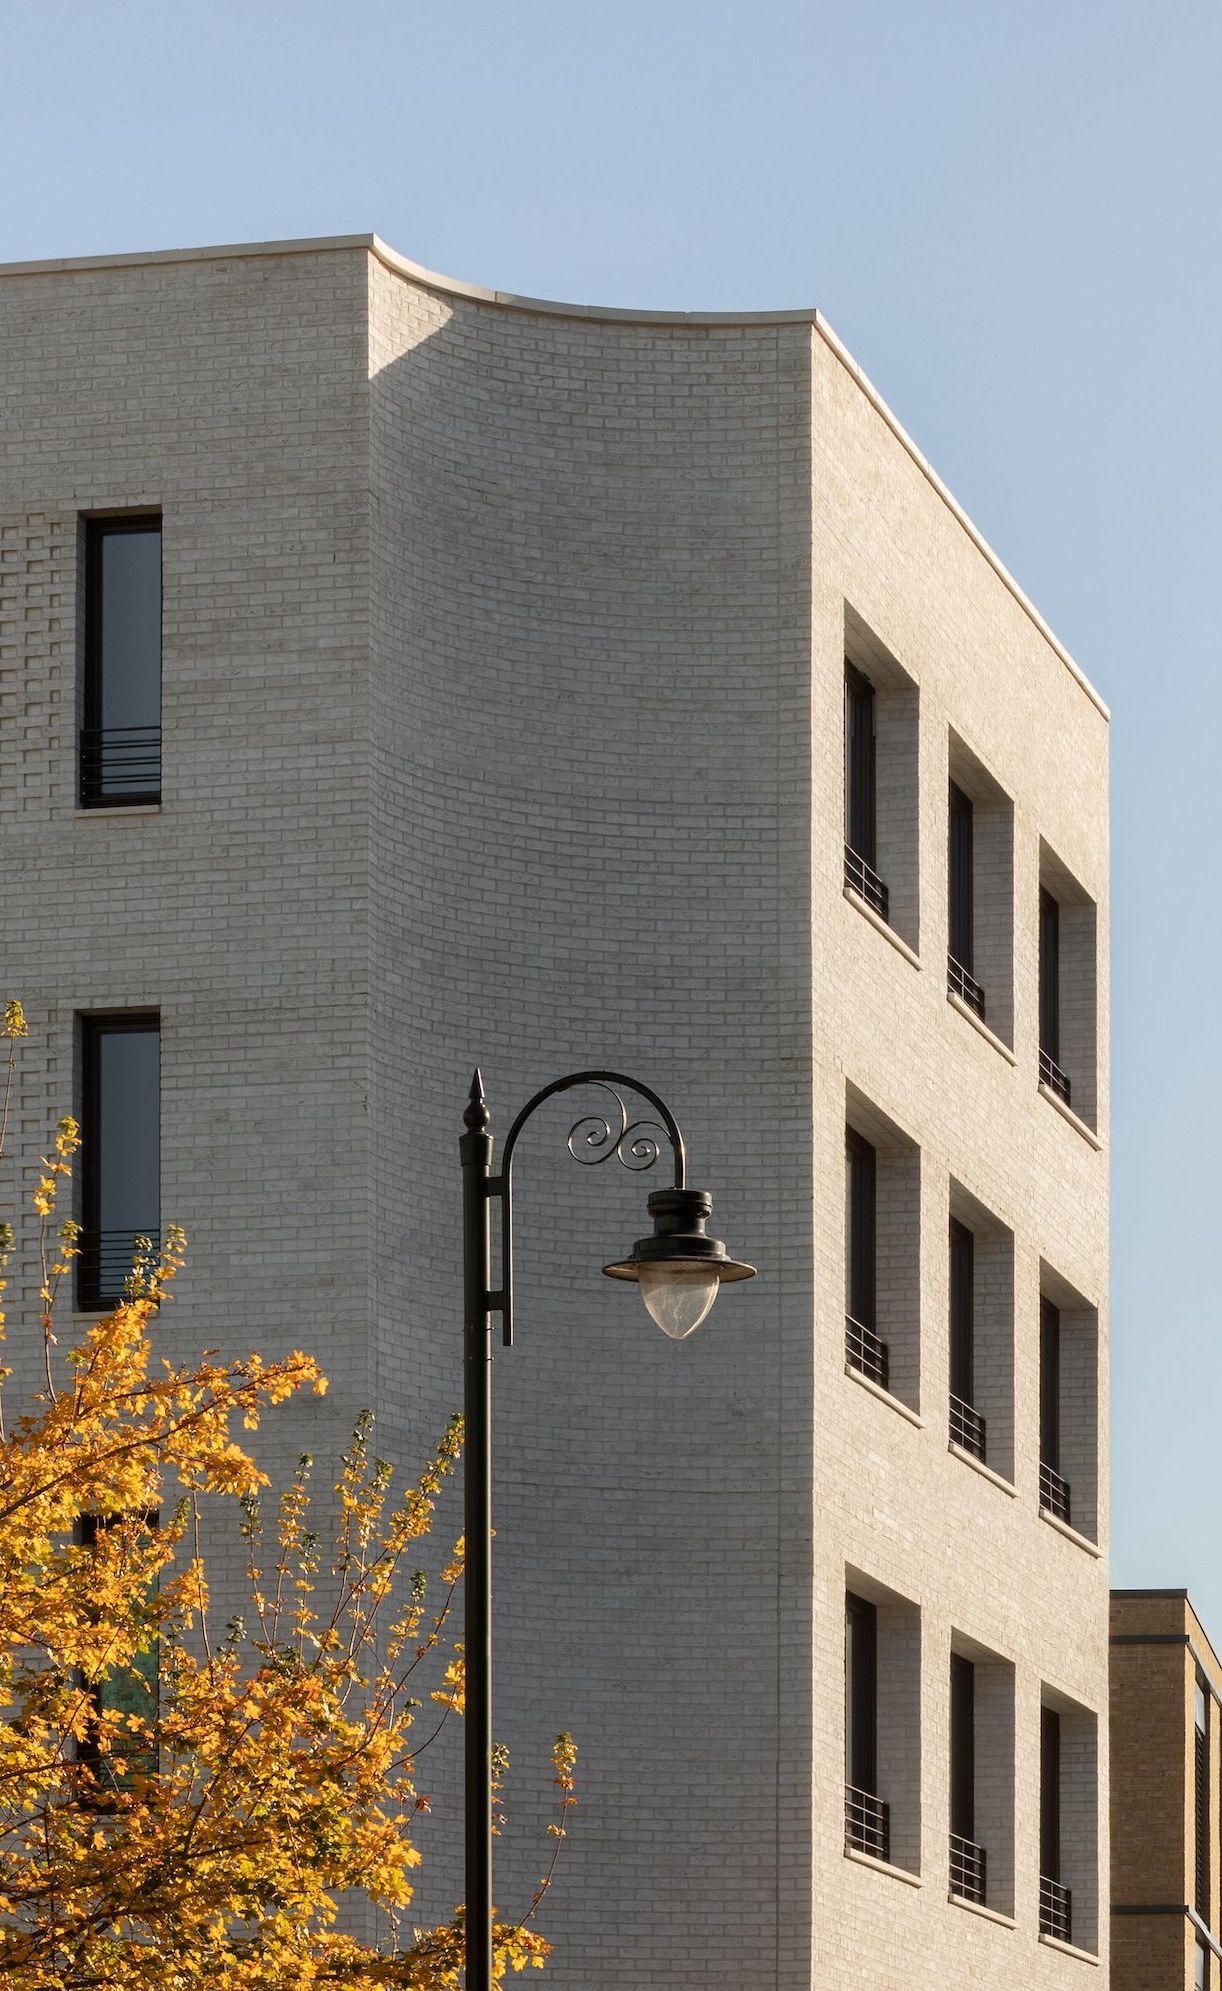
column 1056, row 1916
column 120, row 745
column 1054, row 1489
column 860, row 792
column 1050, row 997
column 1201, row 1803
column 967, row 1426
column 867, row 1820
column 121, row 1166
column 961, row 958
column 123, row 1690
column 967, row 1858
column 865, row 1351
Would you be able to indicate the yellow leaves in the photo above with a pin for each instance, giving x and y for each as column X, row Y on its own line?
column 14, row 1024
column 220, row 1791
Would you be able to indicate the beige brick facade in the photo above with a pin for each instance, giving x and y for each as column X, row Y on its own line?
column 504, row 658
column 1166, row 1822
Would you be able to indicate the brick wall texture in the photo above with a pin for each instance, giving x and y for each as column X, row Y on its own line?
column 503, row 694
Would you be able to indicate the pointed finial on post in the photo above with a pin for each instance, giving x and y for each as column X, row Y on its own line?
column 476, row 1117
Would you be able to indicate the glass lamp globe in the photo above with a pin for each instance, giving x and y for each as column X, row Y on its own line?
column 678, row 1297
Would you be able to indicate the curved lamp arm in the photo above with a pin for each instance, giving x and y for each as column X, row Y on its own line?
column 592, row 1139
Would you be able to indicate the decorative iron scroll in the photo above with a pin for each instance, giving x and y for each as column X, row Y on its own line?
column 594, row 1139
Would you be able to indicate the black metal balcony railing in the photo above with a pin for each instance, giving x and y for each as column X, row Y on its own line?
column 964, row 985
column 1053, row 1077
column 866, row 882
column 867, row 1823
column 120, row 764
column 104, row 1263
column 967, row 1869
column 863, row 1350
column 1056, row 1910
column 966, row 1427
column 1054, row 1492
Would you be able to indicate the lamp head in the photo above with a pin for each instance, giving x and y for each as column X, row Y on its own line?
column 679, row 1268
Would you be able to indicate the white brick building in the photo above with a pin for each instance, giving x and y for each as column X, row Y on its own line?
column 502, row 696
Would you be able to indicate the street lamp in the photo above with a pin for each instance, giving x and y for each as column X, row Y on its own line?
column 678, row 1269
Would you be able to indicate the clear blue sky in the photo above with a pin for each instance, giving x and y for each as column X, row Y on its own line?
column 1011, row 215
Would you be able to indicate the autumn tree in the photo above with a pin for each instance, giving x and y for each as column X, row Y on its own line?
column 183, row 1805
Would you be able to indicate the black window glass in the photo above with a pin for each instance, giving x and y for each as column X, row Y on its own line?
column 1050, row 1385
column 1050, row 1794
column 860, row 823
column 1050, row 977
column 861, row 1694
column 129, row 628
column 121, row 1131
column 960, row 867
column 121, row 734
column 862, row 1173
column 962, row 1747
column 962, row 1313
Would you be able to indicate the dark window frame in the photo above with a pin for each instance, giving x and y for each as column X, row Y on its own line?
column 967, row 1426
column 962, row 1746
column 861, row 792
column 1201, row 1800
column 127, row 757
column 865, row 1350
column 961, row 901
column 94, row 1289
column 107, row 1782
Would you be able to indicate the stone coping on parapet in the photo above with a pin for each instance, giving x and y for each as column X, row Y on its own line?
column 613, row 314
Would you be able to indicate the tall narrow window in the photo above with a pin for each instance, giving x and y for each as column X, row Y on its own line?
column 129, row 1691
column 864, row 1350
column 121, row 1176
column 1054, row 1490
column 966, row 1424
column 867, row 1822
column 860, row 791
column 1050, row 996
column 967, row 1859
column 960, row 868
column 1201, row 1804
column 1055, row 1905
column 121, row 731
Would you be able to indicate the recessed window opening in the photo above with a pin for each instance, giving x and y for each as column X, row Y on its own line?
column 968, row 1859
column 881, row 746
column 120, row 745
column 882, row 1723
column 1069, row 1405
column 981, row 1333
column 1067, row 988
column 861, row 805
column 981, row 1775
column 980, row 891
column 882, row 1252
column 961, row 880
column 1069, row 1822
column 1200, row 1807
column 121, row 1193
column 867, row 1817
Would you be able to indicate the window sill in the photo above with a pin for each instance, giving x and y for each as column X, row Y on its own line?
column 120, row 809
column 885, row 1396
column 978, row 1023
column 879, row 923
column 986, row 1472
column 1068, row 1949
column 1072, row 1535
column 1067, row 1113
column 979, row 1908
column 882, row 1866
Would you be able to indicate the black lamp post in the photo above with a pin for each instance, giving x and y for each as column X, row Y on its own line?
column 678, row 1270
